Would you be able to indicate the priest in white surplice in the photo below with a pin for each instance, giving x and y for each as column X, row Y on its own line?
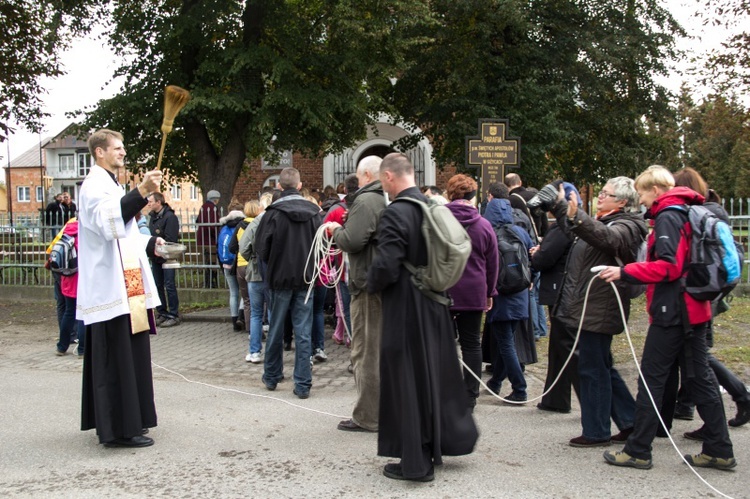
column 116, row 295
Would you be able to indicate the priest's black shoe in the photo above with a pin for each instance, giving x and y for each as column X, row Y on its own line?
column 393, row 470
column 137, row 441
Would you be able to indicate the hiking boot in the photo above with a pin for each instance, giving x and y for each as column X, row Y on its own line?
column 587, row 442
column 696, row 435
column 743, row 414
column 704, row 461
column 624, row 459
column 320, row 355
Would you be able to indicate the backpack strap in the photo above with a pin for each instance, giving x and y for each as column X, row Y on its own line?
column 528, row 214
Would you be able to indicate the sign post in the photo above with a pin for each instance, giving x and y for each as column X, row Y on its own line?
column 493, row 151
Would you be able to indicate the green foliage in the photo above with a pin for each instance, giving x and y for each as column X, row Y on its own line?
column 264, row 75
column 717, row 144
column 575, row 79
column 34, row 32
column 728, row 68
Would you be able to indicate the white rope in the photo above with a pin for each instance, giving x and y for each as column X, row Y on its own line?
column 234, row 390
column 322, row 257
column 637, row 365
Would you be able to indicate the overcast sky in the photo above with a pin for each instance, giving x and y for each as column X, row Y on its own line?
column 82, row 85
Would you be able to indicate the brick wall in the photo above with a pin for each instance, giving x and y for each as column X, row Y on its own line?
column 251, row 181
column 24, row 177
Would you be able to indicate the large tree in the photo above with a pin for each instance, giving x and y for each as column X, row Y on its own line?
column 575, row 79
column 728, row 68
column 34, row 33
column 717, row 144
column 265, row 75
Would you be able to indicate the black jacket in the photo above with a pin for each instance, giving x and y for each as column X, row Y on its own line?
column 597, row 242
column 166, row 225
column 550, row 260
column 284, row 238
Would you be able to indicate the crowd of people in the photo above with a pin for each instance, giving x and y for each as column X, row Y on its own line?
column 411, row 388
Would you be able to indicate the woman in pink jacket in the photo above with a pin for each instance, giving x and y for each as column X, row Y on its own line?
column 69, row 288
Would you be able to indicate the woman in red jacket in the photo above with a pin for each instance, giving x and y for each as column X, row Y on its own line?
column 668, row 304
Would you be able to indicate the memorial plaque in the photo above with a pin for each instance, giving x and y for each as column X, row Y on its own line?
column 492, row 151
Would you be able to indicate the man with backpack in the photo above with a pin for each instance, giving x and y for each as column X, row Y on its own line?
column 677, row 328
column 164, row 223
column 424, row 407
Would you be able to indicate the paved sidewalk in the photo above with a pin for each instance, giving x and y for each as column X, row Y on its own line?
column 221, row 434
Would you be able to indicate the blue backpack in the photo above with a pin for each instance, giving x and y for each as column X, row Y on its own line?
column 716, row 259
column 63, row 258
column 226, row 257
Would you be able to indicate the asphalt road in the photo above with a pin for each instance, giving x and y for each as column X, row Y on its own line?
column 221, row 434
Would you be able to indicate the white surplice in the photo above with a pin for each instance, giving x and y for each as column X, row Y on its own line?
column 103, row 239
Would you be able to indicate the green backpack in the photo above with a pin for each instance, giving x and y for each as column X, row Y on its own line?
column 448, row 250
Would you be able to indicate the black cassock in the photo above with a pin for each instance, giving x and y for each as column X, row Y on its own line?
column 424, row 407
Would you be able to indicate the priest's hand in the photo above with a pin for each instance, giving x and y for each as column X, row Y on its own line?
column 150, row 183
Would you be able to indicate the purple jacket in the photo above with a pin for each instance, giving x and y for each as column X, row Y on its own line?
column 480, row 276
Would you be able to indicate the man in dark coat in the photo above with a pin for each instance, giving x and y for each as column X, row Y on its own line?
column 164, row 223
column 283, row 241
column 207, row 233
column 424, row 407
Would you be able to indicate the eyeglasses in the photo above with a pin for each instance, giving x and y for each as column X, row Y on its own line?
column 605, row 194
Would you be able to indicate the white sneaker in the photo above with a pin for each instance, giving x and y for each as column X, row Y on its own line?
column 255, row 358
column 320, row 355
column 265, row 328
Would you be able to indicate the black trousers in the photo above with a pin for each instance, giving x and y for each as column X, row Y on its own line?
column 665, row 345
column 469, row 325
column 561, row 341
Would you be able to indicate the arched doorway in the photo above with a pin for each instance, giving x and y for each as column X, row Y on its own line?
column 378, row 150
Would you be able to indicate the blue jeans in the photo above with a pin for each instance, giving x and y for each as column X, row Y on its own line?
column 283, row 300
column 234, row 292
column 505, row 360
column 538, row 315
column 346, row 300
column 256, row 291
column 59, row 298
column 603, row 392
column 167, row 289
column 318, row 325
column 69, row 324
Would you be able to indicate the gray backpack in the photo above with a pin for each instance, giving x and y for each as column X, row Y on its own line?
column 448, row 250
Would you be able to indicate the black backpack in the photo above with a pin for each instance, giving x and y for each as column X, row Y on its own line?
column 515, row 273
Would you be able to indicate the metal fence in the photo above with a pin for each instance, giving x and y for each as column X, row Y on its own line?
column 23, row 253
column 23, row 249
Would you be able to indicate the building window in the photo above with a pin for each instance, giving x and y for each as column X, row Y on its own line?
column 84, row 163
column 23, row 194
column 39, row 193
column 193, row 192
column 67, row 163
column 176, row 192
